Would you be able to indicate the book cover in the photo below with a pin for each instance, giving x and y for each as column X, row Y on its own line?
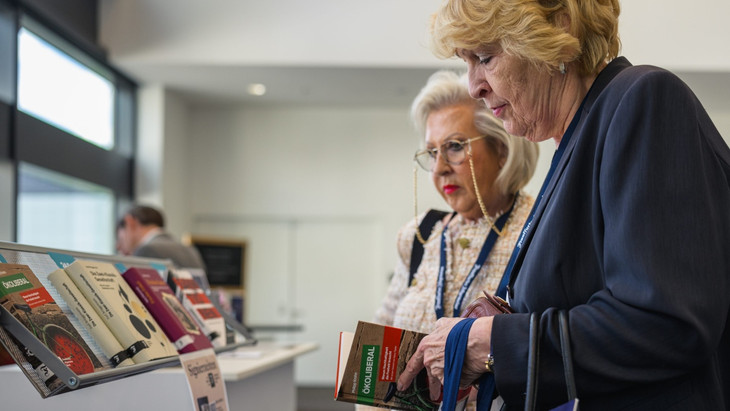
column 24, row 297
column 160, row 300
column 369, row 362
column 196, row 301
column 121, row 310
column 89, row 318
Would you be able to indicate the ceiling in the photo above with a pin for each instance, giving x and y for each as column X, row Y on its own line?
column 341, row 86
column 338, row 86
column 333, row 52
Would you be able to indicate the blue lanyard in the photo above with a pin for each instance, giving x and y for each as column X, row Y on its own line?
column 454, row 354
column 481, row 259
column 502, row 289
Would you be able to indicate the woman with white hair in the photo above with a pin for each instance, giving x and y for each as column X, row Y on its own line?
column 479, row 170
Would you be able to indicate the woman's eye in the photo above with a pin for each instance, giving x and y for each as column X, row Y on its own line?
column 453, row 146
column 484, row 60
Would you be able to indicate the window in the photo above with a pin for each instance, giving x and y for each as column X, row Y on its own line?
column 58, row 211
column 58, row 89
column 66, row 133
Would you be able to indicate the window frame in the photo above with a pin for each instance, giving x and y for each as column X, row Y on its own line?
column 24, row 138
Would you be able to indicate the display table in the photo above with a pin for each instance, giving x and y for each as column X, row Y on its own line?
column 259, row 377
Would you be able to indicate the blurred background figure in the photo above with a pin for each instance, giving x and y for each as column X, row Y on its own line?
column 141, row 232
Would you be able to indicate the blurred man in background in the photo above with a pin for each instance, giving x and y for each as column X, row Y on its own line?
column 141, row 232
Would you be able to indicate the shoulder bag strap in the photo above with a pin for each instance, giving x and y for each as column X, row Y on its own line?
column 426, row 226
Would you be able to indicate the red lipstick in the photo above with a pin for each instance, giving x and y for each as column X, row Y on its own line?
column 450, row 188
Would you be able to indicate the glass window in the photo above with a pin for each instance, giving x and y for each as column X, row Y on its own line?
column 58, row 211
column 58, row 89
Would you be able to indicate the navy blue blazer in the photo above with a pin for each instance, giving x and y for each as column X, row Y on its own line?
column 633, row 237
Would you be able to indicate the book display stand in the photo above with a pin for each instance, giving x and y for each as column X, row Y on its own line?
column 41, row 260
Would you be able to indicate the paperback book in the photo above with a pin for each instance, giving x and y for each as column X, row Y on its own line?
column 196, row 301
column 89, row 318
column 120, row 309
column 160, row 300
column 369, row 362
column 368, row 370
column 24, row 297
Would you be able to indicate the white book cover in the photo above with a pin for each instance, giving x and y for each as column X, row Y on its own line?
column 121, row 310
column 88, row 316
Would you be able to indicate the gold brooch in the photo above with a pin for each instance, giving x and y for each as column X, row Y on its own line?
column 464, row 242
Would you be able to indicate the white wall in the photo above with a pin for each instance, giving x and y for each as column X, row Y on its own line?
column 175, row 188
column 323, row 163
column 161, row 169
column 676, row 34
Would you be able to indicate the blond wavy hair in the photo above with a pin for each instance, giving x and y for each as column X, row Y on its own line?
column 544, row 32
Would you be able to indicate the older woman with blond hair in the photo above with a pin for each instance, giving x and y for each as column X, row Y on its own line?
column 625, row 256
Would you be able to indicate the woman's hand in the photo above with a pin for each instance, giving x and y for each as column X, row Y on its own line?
column 430, row 354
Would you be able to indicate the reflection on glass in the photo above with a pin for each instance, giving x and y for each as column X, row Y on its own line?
column 61, row 91
column 58, row 211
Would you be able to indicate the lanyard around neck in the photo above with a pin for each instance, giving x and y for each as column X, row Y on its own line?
column 481, row 259
column 506, row 278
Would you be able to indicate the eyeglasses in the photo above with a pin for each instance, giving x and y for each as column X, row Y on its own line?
column 452, row 151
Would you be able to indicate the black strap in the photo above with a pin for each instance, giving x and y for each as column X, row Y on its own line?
column 425, row 228
column 533, row 360
column 567, row 353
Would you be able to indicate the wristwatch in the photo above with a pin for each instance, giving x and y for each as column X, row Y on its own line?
column 489, row 364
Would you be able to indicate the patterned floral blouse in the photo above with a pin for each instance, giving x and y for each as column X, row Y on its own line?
column 413, row 307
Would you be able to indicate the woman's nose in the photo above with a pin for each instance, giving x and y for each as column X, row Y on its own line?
column 440, row 165
column 478, row 87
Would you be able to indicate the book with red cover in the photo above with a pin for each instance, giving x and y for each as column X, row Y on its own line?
column 160, row 300
column 194, row 298
column 24, row 297
column 369, row 362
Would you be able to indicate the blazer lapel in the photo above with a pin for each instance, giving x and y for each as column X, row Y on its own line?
column 540, row 211
column 605, row 77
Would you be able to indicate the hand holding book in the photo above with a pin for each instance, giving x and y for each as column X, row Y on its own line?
column 431, row 351
column 375, row 357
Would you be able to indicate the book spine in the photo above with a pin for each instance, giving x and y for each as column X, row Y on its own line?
column 89, row 318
